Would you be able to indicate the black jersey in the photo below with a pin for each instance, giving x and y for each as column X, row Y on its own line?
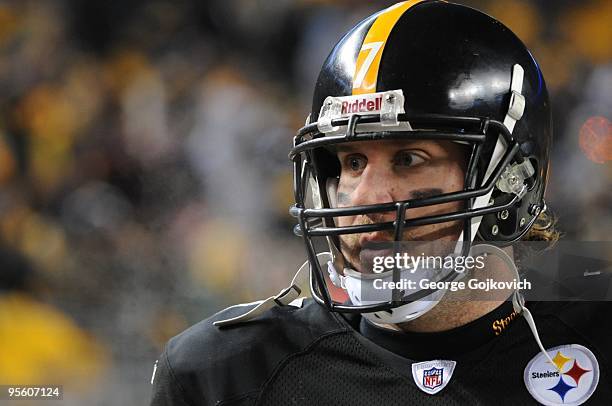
column 305, row 355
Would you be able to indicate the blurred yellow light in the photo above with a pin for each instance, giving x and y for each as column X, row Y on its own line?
column 216, row 253
column 43, row 242
column 7, row 162
column 40, row 345
column 8, row 24
column 520, row 16
column 589, row 30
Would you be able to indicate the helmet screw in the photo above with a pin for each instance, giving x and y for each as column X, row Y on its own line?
column 494, row 229
column 504, row 215
column 513, row 180
column 522, row 222
column 535, row 210
column 390, row 98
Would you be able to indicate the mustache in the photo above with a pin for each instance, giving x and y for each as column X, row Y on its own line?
column 373, row 218
column 425, row 193
column 343, row 198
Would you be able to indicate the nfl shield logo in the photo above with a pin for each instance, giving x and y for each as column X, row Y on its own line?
column 432, row 378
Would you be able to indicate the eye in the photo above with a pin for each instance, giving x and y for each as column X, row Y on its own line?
column 407, row 159
column 355, row 162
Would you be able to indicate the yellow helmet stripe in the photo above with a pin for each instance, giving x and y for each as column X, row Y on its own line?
column 368, row 60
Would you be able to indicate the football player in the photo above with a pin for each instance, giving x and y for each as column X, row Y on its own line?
column 429, row 137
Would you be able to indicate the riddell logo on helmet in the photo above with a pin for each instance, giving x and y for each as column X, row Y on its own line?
column 362, row 105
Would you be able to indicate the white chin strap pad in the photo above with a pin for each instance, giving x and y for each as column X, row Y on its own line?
column 331, row 185
column 362, row 290
column 405, row 313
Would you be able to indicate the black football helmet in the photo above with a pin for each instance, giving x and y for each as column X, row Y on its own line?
column 434, row 70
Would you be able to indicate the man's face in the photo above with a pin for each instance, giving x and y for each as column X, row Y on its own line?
column 391, row 170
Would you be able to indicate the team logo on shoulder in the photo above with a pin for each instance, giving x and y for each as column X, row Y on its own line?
column 432, row 376
column 570, row 381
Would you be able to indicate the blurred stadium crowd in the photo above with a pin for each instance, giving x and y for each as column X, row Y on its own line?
column 144, row 180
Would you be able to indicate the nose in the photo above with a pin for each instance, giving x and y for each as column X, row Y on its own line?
column 376, row 185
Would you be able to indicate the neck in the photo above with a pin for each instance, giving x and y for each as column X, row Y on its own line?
column 459, row 308
column 448, row 315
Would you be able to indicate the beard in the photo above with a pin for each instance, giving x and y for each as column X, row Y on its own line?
column 361, row 250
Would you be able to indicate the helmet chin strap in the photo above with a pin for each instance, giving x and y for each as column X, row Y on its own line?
column 290, row 296
column 361, row 289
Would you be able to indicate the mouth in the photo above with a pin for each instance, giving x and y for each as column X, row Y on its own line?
column 374, row 245
column 367, row 258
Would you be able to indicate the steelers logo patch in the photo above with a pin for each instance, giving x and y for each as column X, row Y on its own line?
column 571, row 380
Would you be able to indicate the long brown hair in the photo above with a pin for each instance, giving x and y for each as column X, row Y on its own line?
column 544, row 229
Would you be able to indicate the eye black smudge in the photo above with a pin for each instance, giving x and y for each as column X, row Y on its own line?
column 343, row 198
column 425, row 193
